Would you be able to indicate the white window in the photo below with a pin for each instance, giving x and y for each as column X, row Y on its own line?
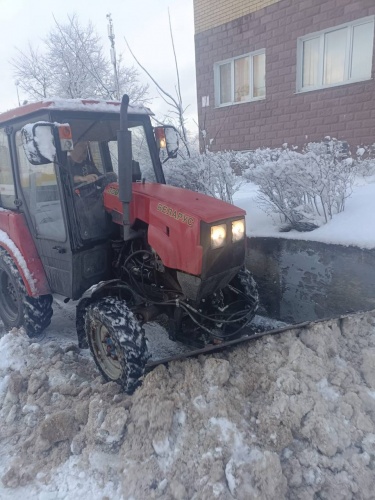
column 336, row 56
column 240, row 79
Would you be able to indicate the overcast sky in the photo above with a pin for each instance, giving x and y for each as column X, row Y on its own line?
column 143, row 22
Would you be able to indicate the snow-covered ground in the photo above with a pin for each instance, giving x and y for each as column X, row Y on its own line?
column 354, row 226
column 290, row 416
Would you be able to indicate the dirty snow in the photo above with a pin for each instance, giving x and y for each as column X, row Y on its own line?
column 355, row 226
column 288, row 416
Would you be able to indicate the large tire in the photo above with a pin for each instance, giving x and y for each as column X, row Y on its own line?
column 16, row 307
column 117, row 342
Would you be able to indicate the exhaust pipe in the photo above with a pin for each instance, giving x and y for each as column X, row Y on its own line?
column 124, row 145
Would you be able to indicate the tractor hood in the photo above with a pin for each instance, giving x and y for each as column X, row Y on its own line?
column 173, row 200
column 206, row 208
column 176, row 218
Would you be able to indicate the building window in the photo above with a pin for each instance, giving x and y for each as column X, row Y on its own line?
column 241, row 79
column 336, row 56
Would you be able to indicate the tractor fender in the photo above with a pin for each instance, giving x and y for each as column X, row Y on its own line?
column 16, row 239
column 98, row 287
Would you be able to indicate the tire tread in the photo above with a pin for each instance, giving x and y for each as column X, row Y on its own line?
column 126, row 333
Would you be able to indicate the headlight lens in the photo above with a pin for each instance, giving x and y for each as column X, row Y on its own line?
column 238, row 230
column 218, row 235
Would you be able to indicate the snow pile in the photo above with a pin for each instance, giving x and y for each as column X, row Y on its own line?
column 287, row 416
column 354, row 226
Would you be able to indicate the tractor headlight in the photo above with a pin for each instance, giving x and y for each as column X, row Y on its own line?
column 238, row 230
column 218, row 235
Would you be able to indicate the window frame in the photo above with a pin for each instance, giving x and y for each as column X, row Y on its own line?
column 348, row 55
column 232, row 60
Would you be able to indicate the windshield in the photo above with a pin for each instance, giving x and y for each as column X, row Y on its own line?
column 93, row 164
column 101, row 136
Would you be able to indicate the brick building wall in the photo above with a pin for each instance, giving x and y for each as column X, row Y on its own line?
column 346, row 111
column 211, row 13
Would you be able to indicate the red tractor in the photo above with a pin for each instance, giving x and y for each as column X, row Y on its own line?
column 109, row 232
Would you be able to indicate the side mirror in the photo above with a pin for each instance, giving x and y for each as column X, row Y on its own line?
column 38, row 140
column 167, row 138
column 171, row 137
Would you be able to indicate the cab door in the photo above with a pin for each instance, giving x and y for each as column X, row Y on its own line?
column 43, row 209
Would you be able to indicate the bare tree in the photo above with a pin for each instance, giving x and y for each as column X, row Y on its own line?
column 32, row 72
column 128, row 77
column 177, row 111
column 77, row 57
column 73, row 64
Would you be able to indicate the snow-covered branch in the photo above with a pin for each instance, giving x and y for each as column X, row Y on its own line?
column 72, row 63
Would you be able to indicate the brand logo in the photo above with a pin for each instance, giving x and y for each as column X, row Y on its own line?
column 179, row 216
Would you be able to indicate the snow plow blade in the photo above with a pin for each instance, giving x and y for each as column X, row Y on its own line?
column 211, row 348
column 248, row 336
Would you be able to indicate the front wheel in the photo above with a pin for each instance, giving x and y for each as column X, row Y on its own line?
column 117, row 342
column 16, row 307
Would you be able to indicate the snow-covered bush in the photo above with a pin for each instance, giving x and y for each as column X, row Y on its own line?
column 366, row 160
column 273, row 171
column 210, row 173
column 330, row 176
column 305, row 188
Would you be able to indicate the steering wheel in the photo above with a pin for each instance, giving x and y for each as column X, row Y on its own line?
column 86, row 184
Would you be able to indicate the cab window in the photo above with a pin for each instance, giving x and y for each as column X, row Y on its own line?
column 7, row 191
column 142, row 162
column 40, row 190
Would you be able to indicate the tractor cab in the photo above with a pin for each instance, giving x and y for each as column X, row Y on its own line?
column 56, row 160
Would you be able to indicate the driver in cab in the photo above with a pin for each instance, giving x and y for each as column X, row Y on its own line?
column 83, row 168
column 89, row 184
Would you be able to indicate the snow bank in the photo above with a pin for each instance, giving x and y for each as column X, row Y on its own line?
column 355, row 226
column 291, row 416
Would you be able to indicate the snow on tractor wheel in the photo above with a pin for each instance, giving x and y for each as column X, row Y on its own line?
column 117, row 342
column 16, row 307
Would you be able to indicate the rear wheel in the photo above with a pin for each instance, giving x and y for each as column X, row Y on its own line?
column 16, row 307
column 117, row 342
